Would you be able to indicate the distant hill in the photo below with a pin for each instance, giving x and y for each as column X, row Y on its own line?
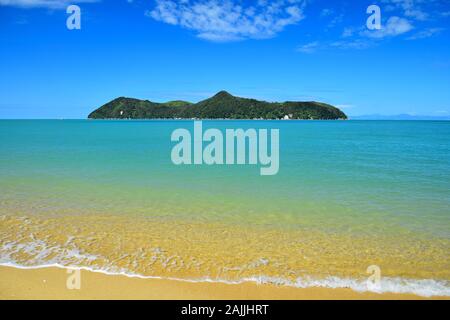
column 221, row 106
column 177, row 103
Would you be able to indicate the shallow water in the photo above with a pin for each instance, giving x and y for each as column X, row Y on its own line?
column 349, row 194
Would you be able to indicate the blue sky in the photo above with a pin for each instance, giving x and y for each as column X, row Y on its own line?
column 190, row 49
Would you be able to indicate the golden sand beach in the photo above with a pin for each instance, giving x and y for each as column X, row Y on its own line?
column 122, row 245
column 51, row 283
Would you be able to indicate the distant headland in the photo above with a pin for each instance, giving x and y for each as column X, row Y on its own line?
column 221, row 106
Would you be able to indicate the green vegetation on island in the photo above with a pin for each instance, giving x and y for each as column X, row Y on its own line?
column 221, row 106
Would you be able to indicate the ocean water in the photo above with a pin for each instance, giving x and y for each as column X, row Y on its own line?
column 105, row 195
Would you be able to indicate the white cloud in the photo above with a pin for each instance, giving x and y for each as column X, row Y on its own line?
column 334, row 17
column 229, row 20
column 427, row 33
column 357, row 44
column 51, row 4
column 360, row 38
column 393, row 27
column 416, row 14
column 411, row 8
column 326, row 12
column 401, row 18
column 309, row 47
column 348, row 32
column 336, row 20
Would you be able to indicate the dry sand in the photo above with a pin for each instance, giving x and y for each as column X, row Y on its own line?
column 50, row 283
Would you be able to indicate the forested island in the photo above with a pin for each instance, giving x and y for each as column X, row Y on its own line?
column 221, row 106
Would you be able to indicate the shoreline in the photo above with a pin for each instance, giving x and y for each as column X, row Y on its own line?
column 51, row 283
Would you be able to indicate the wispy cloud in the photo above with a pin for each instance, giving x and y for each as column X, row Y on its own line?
column 326, row 12
column 404, row 19
column 418, row 15
column 427, row 33
column 357, row 44
column 309, row 47
column 393, row 27
column 349, row 31
column 410, row 8
column 335, row 18
column 230, row 20
column 362, row 38
column 50, row 4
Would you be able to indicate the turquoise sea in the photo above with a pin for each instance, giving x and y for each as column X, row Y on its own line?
column 349, row 194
